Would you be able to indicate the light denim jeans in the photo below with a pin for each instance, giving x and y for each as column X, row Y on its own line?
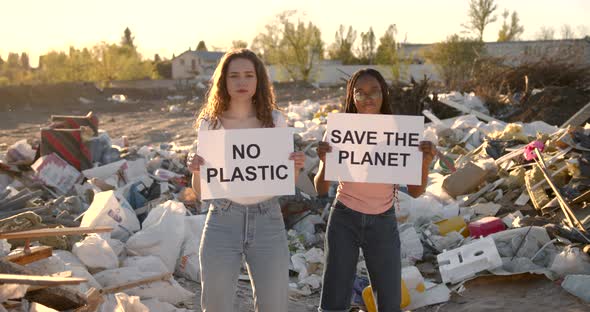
column 255, row 232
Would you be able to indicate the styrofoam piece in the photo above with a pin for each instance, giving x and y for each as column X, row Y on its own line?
column 464, row 262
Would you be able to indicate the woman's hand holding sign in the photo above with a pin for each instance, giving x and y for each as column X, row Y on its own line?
column 323, row 148
column 194, row 162
column 428, row 152
column 299, row 158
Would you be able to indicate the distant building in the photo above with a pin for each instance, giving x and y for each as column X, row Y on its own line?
column 516, row 52
column 195, row 64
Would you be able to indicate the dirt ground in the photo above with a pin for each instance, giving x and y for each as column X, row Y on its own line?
column 143, row 122
column 151, row 122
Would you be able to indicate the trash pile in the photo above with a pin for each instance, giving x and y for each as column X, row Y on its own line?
column 503, row 199
column 93, row 223
column 139, row 218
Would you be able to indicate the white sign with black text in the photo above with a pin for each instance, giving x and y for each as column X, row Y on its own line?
column 374, row 148
column 246, row 162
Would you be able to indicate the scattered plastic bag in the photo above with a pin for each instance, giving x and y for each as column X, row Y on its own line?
column 188, row 266
column 96, row 253
column 107, row 210
column 121, row 302
column 169, row 291
column 162, row 234
column 571, row 261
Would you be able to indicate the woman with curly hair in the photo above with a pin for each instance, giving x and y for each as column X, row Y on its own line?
column 241, row 97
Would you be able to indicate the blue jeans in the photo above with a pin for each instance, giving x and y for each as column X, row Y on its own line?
column 378, row 236
column 256, row 232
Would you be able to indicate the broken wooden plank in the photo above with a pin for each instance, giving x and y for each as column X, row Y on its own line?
column 58, row 274
column 95, row 299
column 467, row 110
column 54, row 232
column 37, row 253
column 570, row 216
column 59, row 298
column 18, row 202
column 578, row 118
column 486, row 189
column 582, row 198
column 11, row 304
column 148, row 280
column 40, row 280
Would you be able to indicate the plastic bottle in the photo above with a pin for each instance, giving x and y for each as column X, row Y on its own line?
column 412, row 281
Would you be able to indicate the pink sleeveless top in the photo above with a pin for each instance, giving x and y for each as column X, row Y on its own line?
column 368, row 198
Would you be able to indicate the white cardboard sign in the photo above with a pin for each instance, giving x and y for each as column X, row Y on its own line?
column 374, row 148
column 246, row 162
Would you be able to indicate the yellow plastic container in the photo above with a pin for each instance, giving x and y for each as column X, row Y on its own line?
column 453, row 224
column 370, row 300
column 415, row 280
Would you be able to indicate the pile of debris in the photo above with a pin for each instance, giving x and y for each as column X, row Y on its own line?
column 140, row 219
column 116, row 226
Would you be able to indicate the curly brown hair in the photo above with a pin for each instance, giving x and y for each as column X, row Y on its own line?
column 218, row 97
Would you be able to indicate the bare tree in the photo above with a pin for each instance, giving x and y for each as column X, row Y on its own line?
column 545, row 33
column 567, row 32
column 480, row 15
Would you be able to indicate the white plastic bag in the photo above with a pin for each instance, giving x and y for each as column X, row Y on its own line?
column 96, row 253
column 169, row 291
column 61, row 261
column 161, row 235
column 571, row 261
column 188, row 265
column 107, row 210
column 411, row 246
column 146, row 264
column 121, row 302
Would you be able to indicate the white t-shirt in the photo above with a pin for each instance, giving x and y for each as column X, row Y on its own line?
column 279, row 122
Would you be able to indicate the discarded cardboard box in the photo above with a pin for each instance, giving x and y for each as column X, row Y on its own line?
column 68, row 144
column 464, row 180
column 53, row 171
